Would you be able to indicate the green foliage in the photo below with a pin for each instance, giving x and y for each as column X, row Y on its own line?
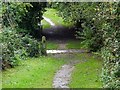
column 32, row 46
column 111, row 49
column 84, row 17
column 34, row 16
column 23, row 15
column 10, row 43
column 111, row 70
column 16, row 46
column 23, row 18
column 13, row 13
column 91, row 38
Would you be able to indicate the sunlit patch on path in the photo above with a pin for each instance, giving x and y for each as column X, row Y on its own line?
column 65, row 51
column 49, row 21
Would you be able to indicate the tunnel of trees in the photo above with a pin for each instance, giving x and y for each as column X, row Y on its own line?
column 97, row 24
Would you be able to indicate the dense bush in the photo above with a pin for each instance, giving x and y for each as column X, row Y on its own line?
column 16, row 46
column 111, row 49
column 18, row 41
column 10, row 43
column 12, row 13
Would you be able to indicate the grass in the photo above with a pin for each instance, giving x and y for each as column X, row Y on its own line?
column 39, row 72
column 75, row 44
column 71, row 44
column 87, row 73
column 52, row 45
column 33, row 73
column 53, row 16
column 45, row 24
column 0, row 80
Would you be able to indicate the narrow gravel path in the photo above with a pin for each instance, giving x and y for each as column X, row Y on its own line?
column 62, row 46
column 63, row 76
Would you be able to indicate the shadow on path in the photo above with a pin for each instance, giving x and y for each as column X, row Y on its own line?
column 59, row 33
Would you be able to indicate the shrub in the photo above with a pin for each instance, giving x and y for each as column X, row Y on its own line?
column 32, row 46
column 10, row 43
column 111, row 55
column 16, row 46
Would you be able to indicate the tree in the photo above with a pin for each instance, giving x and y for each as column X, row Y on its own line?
column 23, row 15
